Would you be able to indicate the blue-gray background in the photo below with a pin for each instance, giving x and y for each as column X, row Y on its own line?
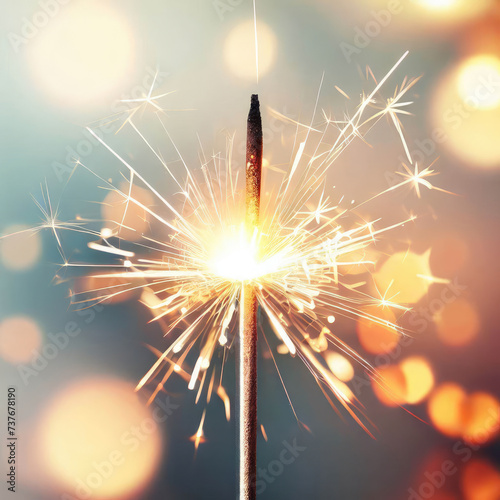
column 184, row 40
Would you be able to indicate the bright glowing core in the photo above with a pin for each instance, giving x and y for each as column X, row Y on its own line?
column 235, row 258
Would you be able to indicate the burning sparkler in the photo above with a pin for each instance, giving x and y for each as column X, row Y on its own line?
column 210, row 262
column 247, row 356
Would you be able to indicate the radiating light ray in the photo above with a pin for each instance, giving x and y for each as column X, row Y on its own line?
column 256, row 39
column 109, row 249
column 193, row 263
column 280, row 377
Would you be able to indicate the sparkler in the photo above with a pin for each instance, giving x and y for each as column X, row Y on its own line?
column 209, row 261
column 247, row 348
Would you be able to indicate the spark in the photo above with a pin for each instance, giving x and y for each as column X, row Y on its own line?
column 419, row 178
column 221, row 392
column 140, row 104
column 342, row 92
column 109, row 249
column 199, row 437
column 415, row 179
column 198, row 257
column 149, row 98
column 385, row 301
column 264, row 434
column 323, row 207
column 50, row 221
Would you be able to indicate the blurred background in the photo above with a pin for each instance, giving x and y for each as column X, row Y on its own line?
column 83, row 431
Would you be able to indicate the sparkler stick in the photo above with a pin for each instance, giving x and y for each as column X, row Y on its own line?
column 247, row 355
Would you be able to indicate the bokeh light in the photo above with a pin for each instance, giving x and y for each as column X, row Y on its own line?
column 340, row 366
column 131, row 220
column 446, row 13
column 20, row 338
column 83, row 54
column 21, row 250
column 482, row 37
column 419, row 379
column 405, row 277
column 239, row 50
column 434, row 461
column 466, row 109
column 475, row 417
column 378, row 336
column 446, row 409
column 97, row 438
column 418, row 19
column 476, row 70
column 481, row 418
column 438, row 4
column 480, row 481
column 390, row 389
column 457, row 323
column 410, row 382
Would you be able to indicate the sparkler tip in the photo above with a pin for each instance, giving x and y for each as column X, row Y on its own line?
column 254, row 108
